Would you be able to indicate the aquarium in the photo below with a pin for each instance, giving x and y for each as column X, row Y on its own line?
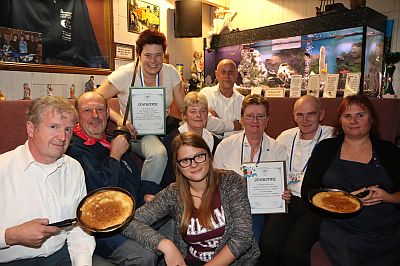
column 270, row 63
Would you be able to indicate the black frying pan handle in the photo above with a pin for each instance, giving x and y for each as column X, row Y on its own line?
column 64, row 223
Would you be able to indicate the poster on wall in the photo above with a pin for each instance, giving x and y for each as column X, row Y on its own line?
column 142, row 16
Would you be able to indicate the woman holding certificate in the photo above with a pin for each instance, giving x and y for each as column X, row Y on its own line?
column 209, row 207
column 151, row 72
column 357, row 161
column 251, row 145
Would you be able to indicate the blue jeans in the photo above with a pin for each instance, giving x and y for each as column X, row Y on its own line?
column 258, row 224
column 129, row 253
column 132, row 253
column 153, row 151
column 59, row 258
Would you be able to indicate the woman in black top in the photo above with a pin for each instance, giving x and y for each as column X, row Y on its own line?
column 358, row 161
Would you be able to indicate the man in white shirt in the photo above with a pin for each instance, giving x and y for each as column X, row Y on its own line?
column 224, row 101
column 287, row 238
column 40, row 185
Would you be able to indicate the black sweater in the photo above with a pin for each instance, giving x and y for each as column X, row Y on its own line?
column 326, row 150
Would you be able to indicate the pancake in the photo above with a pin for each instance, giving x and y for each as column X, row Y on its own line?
column 336, row 201
column 106, row 209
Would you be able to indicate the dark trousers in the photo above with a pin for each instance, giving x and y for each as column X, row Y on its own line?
column 287, row 238
column 59, row 258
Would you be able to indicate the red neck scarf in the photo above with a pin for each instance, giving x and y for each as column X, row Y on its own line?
column 90, row 140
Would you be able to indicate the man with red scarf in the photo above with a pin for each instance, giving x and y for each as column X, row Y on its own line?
column 107, row 163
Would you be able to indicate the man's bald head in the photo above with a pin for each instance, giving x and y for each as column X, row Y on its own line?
column 308, row 99
column 308, row 113
column 226, row 74
column 93, row 114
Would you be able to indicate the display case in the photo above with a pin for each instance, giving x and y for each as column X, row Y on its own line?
column 341, row 43
column 73, row 37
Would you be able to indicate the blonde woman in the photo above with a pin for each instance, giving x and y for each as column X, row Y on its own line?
column 195, row 114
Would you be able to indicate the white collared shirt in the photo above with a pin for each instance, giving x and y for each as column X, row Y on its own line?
column 229, row 152
column 302, row 150
column 228, row 109
column 206, row 135
column 31, row 190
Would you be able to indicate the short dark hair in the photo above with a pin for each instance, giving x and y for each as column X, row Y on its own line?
column 365, row 104
column 150, row 36
column 255, row 99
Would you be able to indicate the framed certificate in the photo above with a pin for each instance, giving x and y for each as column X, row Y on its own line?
column 148, row 110
column 352, row 85
column 266, row 181
column 295, row 86
column 124, row 51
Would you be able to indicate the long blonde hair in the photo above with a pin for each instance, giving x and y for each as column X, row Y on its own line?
column 205, row 208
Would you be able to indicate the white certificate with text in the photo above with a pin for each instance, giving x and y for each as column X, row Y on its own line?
column 148, row 110
column 266, row 182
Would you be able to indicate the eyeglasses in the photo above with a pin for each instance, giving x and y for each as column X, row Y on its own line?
column 198, row 158
column 251, row 117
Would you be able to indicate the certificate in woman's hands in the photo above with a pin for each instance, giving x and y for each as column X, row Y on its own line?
column 148, row 110
column 266, row 182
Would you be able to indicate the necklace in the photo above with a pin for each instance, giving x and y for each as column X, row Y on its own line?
column 200, row 197
column 354, row 157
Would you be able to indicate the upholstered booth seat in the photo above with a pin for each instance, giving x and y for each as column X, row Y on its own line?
column 13, row 118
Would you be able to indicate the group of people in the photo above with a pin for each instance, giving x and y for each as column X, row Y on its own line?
column 190, row 191
column 23, row 47
column 20, row 44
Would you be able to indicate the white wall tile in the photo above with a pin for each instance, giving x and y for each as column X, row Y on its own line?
column 38, row 91
column 37, row 78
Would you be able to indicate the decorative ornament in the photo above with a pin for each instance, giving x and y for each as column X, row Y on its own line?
column 49, row 90
column 72, row 92
column 390, row 60
column 2, row 96
column 253, row 71
column 27, row 92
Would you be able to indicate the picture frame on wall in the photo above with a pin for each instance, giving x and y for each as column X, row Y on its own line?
column 124, row 51
column 142, row 16
column 20, row 46
column 82, row 45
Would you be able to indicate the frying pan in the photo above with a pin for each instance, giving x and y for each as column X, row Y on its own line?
column 89, row 228
column 314, row 192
